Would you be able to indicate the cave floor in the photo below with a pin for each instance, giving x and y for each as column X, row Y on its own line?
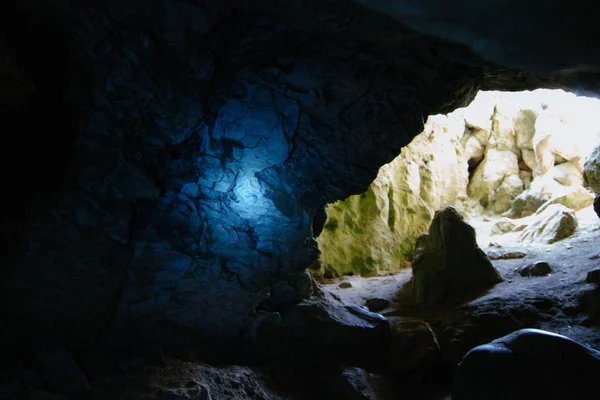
column 558, row 299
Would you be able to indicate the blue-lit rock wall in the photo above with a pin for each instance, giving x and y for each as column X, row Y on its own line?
column 210, row 139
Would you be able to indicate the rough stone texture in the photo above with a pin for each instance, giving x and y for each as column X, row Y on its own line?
column 591, row 170
column 179, row 379
column 208, row 139
column 575, row 199
column 555, row 223
column 498, row 140
column 375, row 231
column 326, row 323
column 452, row 268
column 527, row 364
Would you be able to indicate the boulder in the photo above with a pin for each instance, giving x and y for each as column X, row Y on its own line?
column 503, row 225
column 591, row 170
column 511, row 187
column 556, row 222
column 325, row 322
column 451, row 268
column 527, row 364
column 413, row 347
column 576, row 199
column 593, row 276
column 562, row 182
column 538, row 268
column 376, row 304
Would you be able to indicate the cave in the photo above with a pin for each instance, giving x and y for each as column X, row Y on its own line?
column 173, row 162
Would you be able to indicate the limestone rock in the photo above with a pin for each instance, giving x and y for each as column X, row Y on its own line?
column 527, row 364
column 452, row 268
column 489, row 175
column 413, row 346
column 511, row 187
column 503, row 225
column 555, row 223
column 375, row 231
column 591, row 170
column 576, row 199
column 539, row 268
column 561, row 181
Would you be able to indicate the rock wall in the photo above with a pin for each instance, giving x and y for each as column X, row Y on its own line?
column 506, row 153
column 207, row 138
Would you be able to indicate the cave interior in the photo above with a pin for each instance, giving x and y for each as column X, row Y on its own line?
column 176, row 162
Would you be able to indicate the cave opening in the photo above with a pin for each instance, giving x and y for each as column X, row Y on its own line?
column 513, row 164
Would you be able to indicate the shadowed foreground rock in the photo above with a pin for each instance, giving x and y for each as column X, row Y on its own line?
column 527, row 364
column 597, row 205
column 451, row 267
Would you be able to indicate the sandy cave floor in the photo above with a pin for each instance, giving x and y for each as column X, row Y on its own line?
column 570, row 259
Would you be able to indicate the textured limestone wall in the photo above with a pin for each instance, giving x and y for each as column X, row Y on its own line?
column 506, row 153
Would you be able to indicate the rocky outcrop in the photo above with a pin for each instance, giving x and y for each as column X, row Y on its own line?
column 514, row 153
column 555, row 223
column 527, row 364
column 375, row 231
column 591, row 170
column 451, row 268
column 325, row 323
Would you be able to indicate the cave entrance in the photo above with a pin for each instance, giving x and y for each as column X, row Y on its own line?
column 502, row 162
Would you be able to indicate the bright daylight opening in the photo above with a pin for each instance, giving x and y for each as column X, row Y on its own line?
column 521, row 168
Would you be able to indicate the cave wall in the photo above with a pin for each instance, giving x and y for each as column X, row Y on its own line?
column 207, row 137
column 506, row 153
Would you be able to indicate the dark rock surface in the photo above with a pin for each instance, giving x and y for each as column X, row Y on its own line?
column 597, row 205
column 376, row 304
column 413, row 349
column 207, row 139
column 527, row 364
column 325, row 323
column 451, row 268
column 538, row 268
column 593, row 276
